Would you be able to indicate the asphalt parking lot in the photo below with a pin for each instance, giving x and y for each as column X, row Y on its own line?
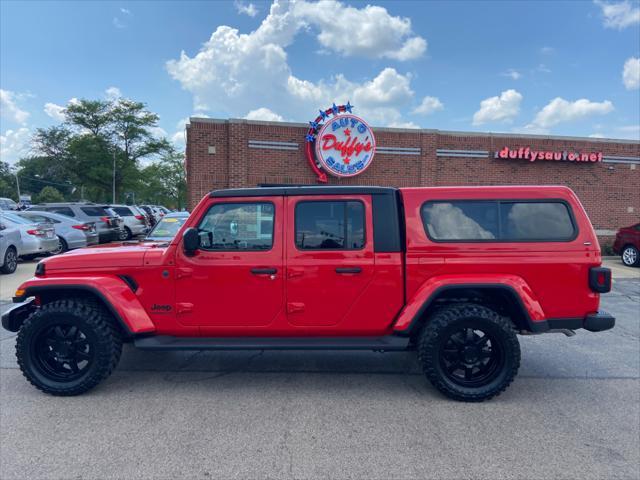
column 573, row 412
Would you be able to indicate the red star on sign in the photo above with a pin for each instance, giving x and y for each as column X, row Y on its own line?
column 347, row 132
column 347, row 160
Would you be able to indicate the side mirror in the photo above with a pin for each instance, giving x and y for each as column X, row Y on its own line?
column 190, row 241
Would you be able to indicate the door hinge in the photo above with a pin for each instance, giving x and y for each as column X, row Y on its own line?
column 184, row 308
column 183, row 272
column 293, row 307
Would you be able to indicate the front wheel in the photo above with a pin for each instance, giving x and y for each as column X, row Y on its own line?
column 630, row 256
column 469, row 352
column 67, row 347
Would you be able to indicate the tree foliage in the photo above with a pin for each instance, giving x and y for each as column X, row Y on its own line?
column 49, row 194
column 77, row 157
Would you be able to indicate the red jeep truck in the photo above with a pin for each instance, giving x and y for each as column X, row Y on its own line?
column 453, row 273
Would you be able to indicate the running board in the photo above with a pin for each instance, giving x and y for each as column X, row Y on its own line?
column 162, row 342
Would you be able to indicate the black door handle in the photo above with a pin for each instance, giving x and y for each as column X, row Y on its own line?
column 348, row 270
column 264, row 271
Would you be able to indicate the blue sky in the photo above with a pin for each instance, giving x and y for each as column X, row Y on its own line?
column 563, row 68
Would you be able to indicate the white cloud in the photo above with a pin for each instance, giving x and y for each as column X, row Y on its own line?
column 236, row 72
column 543, row 68
column 14, row 144
column 560, row 110
column 501, row 108
column 512, row 73
column 263, row 114
column 158, row 132
column 246, row 9
column 631, row 73
column 123, row 20
column 547, row 50
column 428, row 106
column 54, row 111
column 113, row 93
column 403, row 125
column 596, row 135
column 371, row 31
column 619, row 15
column 9, row 107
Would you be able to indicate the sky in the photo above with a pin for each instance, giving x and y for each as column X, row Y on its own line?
column 559, row 68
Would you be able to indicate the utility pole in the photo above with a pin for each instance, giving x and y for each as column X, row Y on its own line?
column 18, row 185
column 114, row 177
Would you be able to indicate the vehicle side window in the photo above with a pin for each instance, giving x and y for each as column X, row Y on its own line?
column 528, row 221
column 61, row 210
column 461, row 220
column 95, row 211
column 123, row 211
column 327, row 225
column 237, row 226
column 498, row 221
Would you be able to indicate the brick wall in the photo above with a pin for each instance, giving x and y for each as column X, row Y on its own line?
column 610, row 192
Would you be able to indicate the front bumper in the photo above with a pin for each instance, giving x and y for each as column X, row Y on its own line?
column 13, row 318
column 593, row 322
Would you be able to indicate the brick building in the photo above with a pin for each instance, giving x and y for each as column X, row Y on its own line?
column 239, row 153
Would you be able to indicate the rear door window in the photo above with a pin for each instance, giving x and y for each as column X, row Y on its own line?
column 61, row 210
column 327, row 225
column 95, row 211
column 123, row 211
column 531, row 221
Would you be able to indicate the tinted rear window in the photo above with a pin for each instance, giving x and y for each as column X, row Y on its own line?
column 61, row 210
column 95, row 211
column 498, row 221
column 123, row 211
column 325, row 225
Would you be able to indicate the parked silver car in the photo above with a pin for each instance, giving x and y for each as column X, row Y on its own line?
column 71, row 233
column 108, row 226
column 9, row 247
column 35, row 239
column 134, row 221
column 7, row 204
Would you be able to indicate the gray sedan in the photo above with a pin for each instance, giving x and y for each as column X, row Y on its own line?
column 71, row 233
column 35, row 238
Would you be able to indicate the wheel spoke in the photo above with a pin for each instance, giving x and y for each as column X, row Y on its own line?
column 59, row 333
column 483, row 340
column 80, row 356
column 470, row 335
column 468, row 373
column 73, row 332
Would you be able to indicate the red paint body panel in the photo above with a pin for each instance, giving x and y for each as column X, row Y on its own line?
column 113, row 289
column 214, row 293
column 627, row 236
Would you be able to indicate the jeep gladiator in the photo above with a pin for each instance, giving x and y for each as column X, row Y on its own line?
column 454, row 273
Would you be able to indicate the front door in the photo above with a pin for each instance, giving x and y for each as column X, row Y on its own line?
column 330, row 259
column 235, row 279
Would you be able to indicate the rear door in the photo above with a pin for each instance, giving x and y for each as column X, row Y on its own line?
column 330, row 259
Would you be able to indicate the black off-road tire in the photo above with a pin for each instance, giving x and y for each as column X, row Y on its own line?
column 10, row 263
column 89, row 317
column 437, row 332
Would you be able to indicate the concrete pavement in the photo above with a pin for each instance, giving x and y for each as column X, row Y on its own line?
column 573, row 412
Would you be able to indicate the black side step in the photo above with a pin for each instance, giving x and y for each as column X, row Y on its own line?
column 162, row 342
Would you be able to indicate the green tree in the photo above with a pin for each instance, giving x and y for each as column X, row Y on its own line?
column 7, row 182
column 164, row 182
column 92, row 115
column 49, row 194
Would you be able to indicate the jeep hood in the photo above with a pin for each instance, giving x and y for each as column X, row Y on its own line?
column 104, row 256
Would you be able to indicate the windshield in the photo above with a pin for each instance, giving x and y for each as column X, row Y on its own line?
column 167, row 228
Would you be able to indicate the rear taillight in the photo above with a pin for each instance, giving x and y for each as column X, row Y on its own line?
column 82, row 226
column 105, row 219
column 139, row 217
column 600, row 279
column 36, row 231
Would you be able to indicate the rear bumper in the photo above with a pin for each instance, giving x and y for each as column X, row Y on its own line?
column 594, row 322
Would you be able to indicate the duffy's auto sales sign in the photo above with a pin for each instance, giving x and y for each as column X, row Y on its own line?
column 339, row 143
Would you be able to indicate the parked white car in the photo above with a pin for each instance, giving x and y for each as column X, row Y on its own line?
column 36, row 239
column 134, row 221
column 9, row 247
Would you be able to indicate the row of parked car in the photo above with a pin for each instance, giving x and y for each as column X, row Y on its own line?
column 53, row 228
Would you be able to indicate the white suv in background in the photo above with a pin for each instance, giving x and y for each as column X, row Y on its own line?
column 135, row 222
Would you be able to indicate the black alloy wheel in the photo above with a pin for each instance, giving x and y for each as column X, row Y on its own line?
column 62, row 352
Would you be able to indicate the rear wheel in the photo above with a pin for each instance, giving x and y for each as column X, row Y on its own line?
column 469, row 352
column 630, row 256
column 61, row 248
column 67, row 347
column 10, row 260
